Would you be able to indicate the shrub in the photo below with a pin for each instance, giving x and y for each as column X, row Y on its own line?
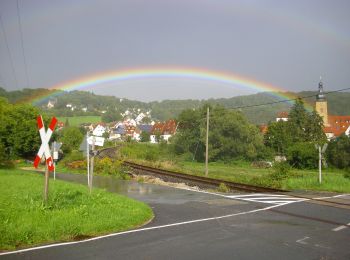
column 223, row 188
column 73, row 156
column 280, row 172
column 302, row 155
column 347, row 173
column 81, row 165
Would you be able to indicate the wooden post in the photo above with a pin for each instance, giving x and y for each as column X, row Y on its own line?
column 92, row 163
column 88, row 158
column 46, row 187
column 206, row 146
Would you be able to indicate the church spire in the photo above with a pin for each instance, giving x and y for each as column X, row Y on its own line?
column 320, row 96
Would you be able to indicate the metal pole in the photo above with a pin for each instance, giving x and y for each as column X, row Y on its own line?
column 54, row 164
column 46, row 187
column 206, row 146
column 88, row 158
column 319, row 164
column 92, row 163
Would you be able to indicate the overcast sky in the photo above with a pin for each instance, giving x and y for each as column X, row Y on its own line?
column 289, row 44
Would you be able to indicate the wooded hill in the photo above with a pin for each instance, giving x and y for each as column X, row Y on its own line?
column 338, row 104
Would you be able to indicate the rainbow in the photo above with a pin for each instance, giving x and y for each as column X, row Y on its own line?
column 107, row 78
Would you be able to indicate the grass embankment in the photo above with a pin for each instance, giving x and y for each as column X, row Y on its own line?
column 238, row 171
column 71, row 213
column 78, row 120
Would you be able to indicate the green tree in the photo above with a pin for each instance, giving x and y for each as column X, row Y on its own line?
column 71, row 138
column 305, row 126
column 25, row 139
column 278, row 137
column 302, row 127
column 111, row 116
column 230, row 135
column 145, row 136
column 338, row 152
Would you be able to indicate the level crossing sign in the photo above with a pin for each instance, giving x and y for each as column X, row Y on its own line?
column 44, row 148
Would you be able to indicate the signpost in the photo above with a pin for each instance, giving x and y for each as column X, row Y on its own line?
column 93, row 141
column 45, row 151
column 55, row 147
column 321, row 149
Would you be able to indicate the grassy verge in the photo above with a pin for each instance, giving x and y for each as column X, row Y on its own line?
column 237, row 171
column 78, row 120
column 71, row 213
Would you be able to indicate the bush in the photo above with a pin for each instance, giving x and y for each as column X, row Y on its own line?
column 223, row 188
column 280, row 172
column 347, row 173
column 151, row 155
column 338, row 152
column 72, row 157
column 302, row 156
column 109, row 167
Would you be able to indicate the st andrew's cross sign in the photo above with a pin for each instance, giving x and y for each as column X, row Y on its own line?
column 44, row 148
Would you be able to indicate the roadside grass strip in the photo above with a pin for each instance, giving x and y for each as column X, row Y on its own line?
column 70, row 214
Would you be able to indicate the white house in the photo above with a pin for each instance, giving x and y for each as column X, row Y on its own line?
column 99, row 130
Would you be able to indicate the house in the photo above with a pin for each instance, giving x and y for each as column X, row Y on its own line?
column 282, row 116
column 165, row 130
column 51, row 103
column 99, row 130
column 117, row 132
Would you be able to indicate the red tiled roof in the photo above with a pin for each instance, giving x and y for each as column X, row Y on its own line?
column 263, row 129
column 337, row 125
column 282, row 114
column 166, row 128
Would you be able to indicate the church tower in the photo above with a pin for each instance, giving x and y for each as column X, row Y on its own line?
column 321, row 104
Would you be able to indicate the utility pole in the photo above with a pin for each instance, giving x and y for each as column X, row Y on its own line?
column 206, row 145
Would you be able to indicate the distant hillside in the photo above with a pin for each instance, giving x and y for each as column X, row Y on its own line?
column 338, row 104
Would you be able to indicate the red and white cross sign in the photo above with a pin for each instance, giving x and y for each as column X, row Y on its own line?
column 44, row 148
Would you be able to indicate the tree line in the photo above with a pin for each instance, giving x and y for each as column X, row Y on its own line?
column 233, row 137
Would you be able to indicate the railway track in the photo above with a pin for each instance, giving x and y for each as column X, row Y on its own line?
column 204, row 182
column 200, row 181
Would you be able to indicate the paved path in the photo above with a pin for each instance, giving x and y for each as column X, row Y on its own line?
column 195, row 225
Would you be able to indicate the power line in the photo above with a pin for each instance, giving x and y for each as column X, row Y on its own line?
column 287, row 100
column 8, row 50
column 22, row 45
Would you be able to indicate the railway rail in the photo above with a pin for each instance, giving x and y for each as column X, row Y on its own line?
column 204, row 182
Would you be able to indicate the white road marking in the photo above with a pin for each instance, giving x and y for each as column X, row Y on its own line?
column 339, row 228
column 302, row 241
column 267, row 198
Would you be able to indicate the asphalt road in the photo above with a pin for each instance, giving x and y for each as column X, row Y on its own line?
column 193, row 225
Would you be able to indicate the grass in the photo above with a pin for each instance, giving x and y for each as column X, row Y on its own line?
column 78, row 120
column 70, row 214
column 237, row 171
column 331, row 181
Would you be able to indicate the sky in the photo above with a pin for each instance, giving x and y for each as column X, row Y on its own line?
column 288, row 44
